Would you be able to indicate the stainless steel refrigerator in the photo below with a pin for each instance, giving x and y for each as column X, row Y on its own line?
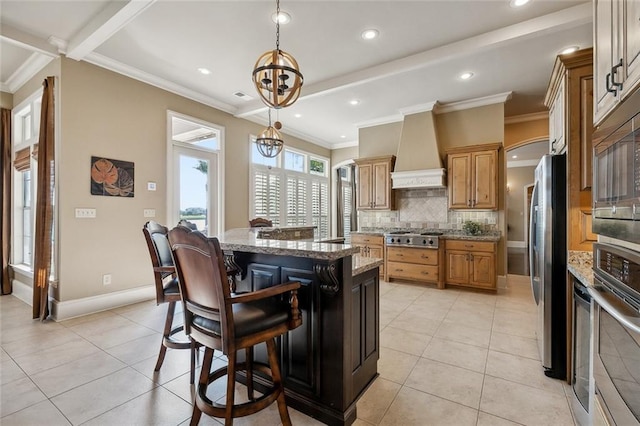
column 548, row 261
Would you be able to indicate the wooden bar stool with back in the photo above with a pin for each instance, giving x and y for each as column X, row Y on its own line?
column 221, row 320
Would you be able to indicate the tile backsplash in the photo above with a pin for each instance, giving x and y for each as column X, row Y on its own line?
column 424, row 208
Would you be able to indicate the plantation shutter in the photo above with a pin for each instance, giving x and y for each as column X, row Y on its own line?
column 267, row 195
column 296, row 201
column 320, row 207
column 347, row 198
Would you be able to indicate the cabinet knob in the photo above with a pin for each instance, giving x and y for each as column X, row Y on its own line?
column 469, row 203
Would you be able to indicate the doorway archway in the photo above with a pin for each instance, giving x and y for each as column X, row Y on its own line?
column 521, row 159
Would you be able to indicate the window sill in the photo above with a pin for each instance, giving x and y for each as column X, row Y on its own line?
column 26, row 271
column 22, row 269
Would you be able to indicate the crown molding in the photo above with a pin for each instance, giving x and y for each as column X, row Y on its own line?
column 380, row 121
column 526, row 117
column 26, row 71
column 499, row 98
column 415, row 109
column 341, row 145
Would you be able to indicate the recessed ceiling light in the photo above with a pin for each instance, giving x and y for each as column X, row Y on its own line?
column 283, row 17
column 514, row 156
column 204, row 71
column 343, row 136
column 370, row 34
column 354, row 101
column 518, row 3
column 465, row 75
column 569, row 49
column 297, row 115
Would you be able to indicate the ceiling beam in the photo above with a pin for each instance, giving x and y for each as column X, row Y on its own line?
column 109, row 21
column 27, row 41
column 563, row 19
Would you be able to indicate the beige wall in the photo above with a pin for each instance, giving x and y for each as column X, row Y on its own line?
column 343, row 154
column 379, row 140
column 516, row 133
column 106, row 114
column 517, row 178
column 6, row 100
column 471, row 126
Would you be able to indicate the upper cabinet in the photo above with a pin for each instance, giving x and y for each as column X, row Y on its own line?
column 374, row 183
column 472, row 174
column 617, row 50
column 570, row 95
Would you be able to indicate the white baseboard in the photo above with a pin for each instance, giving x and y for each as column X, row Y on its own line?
column 89, row 305
column 517, row 244
column 22, row 291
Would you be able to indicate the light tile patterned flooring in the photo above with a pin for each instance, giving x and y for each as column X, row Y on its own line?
column 448, row 357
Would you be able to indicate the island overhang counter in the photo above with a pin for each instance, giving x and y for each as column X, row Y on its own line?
column 329, row 361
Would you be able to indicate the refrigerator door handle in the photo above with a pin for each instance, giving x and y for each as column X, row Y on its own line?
column 535, row 281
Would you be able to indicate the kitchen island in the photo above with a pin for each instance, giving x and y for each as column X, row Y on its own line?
column 328, row 362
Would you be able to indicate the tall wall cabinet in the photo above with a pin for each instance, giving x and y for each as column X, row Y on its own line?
column 617, row 53
column 472, row 174
column 374, row 183
column 570, row 94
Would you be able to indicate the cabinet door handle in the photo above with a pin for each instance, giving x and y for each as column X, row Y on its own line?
column 469, row 203
column 473, row 203
column 399, row 270
column 425, row 273
column 614, row 71
column 468, row 245
column 471, row 259
column 609, row 88
column 553, row 146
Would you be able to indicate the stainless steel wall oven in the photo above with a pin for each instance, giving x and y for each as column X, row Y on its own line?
column 616, row 175
column 616, row 332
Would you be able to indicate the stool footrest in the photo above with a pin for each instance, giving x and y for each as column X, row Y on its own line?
column 239, row 410
column 172, row 343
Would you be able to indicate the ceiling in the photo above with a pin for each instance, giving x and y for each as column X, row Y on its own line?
column 422, row 48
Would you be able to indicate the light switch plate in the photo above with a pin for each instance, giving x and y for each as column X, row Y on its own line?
column 85, row 213
column 149, row 212
column 151, row 186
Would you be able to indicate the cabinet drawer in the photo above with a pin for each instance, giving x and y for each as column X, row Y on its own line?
column 412, row 271
column 413, row 255
column 469, row 245
column 367, row 239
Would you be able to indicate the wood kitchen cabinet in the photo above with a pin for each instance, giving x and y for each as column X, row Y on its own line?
column 570, row 95
column 616, row 27
column 374, row 183
column 471, row 263
column 370, row 246
column 472, row 174
column 415, row 264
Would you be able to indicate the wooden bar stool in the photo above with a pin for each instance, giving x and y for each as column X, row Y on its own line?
column 219, row 319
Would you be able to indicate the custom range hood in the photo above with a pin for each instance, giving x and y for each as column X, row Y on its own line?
column 418, row 161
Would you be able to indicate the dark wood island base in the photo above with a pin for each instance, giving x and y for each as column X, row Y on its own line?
column 330, row 360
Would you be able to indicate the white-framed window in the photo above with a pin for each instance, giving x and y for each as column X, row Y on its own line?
column 26, row 127
column 195, row 189
column 291, row 189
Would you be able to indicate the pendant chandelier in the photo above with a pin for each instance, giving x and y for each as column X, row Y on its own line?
column 276, row 75
column 269, row 141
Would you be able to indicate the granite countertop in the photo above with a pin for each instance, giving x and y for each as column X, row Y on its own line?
column 362, row 264
column 580, row 264
column 447, row 234
column 244, row 239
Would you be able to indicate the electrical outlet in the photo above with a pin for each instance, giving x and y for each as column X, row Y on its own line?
column 151, row 186
column 491, row 221
column 86, row 213
column 149, row 212
column 106, row 279
column 459, row 220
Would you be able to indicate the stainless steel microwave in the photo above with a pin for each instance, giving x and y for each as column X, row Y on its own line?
column 616, row 176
